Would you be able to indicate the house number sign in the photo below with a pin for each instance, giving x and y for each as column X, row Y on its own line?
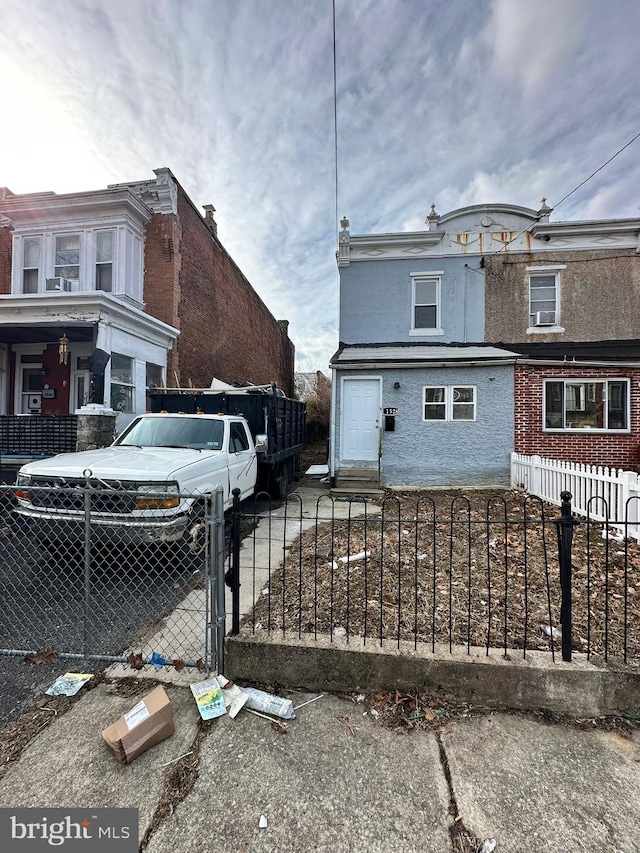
column 390, row 411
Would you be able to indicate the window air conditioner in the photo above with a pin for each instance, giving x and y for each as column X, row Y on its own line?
column 58, row 284
column 545, row 318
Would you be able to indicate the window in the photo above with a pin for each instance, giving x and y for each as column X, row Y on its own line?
column 31, row 267
column 425, row 302
column 586, row 404
column 154, row 380
column 68, row 257
column 237, row 438
column 122, row 383
column 544, row 297
column 449, row 403
column 104, row 261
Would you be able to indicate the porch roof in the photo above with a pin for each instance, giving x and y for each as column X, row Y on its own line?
column 419, row 355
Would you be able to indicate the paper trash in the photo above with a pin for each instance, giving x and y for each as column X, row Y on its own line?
column 258, row 700
column 209, row 698
column 234, row 697
column 68, row 684
column 147, row 723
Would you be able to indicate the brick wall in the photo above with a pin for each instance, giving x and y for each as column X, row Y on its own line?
column 226, row 329
column 607, row 449
column 5, row 260
column 162, row 280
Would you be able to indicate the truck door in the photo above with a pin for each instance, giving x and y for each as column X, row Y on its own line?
column 243, row 463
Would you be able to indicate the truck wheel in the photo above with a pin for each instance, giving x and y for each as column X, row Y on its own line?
column 281, row 481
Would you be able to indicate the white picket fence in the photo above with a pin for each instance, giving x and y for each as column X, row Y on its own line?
column 603, row 494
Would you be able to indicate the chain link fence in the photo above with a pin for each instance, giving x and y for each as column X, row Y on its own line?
column 94, row 570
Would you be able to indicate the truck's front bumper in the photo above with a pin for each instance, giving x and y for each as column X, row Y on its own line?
column 72, row 527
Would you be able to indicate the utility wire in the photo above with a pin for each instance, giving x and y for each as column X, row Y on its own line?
column 575, row 189
column 335, row 118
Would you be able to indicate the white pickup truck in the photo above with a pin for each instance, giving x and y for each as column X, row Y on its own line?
column 148, row 486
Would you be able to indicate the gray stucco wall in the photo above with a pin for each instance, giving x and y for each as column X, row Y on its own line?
column 375, row 300
column 453, row 453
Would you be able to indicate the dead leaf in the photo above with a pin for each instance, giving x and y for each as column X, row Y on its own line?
column 179, row 665
column 200, row 665
column 448, row 730
column 135, row 660
column 47, row 655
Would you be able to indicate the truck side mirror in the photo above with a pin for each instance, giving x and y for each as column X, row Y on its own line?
column 261, row 444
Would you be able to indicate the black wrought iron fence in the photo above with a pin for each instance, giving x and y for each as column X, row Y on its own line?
column 86, row 572
column 504, row 572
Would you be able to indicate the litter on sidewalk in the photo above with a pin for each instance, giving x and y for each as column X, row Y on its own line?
column 68, row 684
column 146, row 724
column 209, row 699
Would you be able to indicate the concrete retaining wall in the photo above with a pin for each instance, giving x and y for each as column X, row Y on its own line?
column 576, row 689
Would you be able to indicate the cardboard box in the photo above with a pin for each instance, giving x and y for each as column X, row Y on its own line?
column 145, row 725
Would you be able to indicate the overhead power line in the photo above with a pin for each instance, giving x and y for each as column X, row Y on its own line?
column 575, row 189
column 599, row 169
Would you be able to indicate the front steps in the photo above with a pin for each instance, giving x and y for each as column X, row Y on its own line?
column 362, row 482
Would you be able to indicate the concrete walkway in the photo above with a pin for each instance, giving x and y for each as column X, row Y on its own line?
column 338, row 780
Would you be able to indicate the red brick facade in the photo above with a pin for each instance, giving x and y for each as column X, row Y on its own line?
column 226, row 331
column 607, row 449
column 5, row 260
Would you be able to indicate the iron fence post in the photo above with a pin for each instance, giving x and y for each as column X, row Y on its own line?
column 565, row 525
column 87, row 566
column 219, row 603
column 232, row 577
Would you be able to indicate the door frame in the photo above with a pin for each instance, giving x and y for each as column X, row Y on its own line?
column 20, row 350
column 359, row 378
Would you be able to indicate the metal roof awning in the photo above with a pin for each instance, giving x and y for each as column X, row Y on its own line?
column 412, row 355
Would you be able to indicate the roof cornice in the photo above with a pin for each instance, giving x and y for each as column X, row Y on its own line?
column 34, row 208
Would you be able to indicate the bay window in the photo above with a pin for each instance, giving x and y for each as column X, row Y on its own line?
column 104, row 261
column 67, row 263
column 31, row 265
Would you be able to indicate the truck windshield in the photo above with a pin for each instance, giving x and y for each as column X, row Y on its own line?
column 198, row 434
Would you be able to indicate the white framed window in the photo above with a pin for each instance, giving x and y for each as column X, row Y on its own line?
column 67, row 261
column 586, row 404
column 104, row 260
column 122, row 383
column 449, row 403
column 544, row 298
column 426, row 303
column 31, row 265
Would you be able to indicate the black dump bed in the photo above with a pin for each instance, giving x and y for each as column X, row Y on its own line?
column 267, row 412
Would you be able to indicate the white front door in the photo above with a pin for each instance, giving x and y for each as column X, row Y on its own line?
column 360, row 428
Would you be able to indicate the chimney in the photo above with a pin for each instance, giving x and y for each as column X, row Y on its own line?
column 209, row 221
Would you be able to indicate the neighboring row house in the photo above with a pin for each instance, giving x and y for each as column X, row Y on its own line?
column 493, row 330
column 107, row 294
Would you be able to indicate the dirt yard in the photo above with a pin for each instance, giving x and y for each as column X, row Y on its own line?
column 478, row 569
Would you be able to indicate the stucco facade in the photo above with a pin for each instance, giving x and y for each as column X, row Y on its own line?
column 550, row 311
column 419, row 453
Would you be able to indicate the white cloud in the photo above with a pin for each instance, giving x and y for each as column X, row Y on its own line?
column 458, row 103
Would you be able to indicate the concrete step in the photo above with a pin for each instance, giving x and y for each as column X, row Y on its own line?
column 339, row 492
column 358, row 481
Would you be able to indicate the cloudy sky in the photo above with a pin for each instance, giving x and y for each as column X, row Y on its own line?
column 454, row 103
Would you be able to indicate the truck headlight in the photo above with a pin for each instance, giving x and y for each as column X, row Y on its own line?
column 157, row 496
column 23, row 481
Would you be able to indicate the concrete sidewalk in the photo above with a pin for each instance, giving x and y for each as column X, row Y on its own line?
column 338, row 780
